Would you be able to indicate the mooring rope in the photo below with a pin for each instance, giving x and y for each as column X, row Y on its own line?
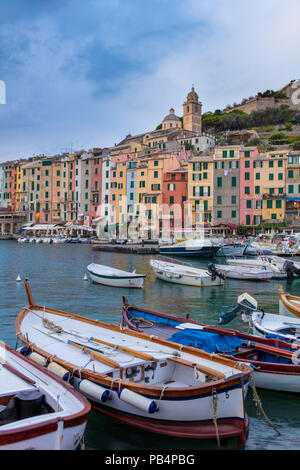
column 215, row 406
column 260, row 407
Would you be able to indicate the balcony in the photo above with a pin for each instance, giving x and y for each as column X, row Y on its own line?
column 274, row 196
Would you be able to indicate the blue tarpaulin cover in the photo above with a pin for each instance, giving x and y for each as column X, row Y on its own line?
column 209, row 342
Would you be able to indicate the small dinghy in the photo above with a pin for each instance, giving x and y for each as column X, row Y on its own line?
column 141, row 380
column 37, row 410
column 245, row 273
column 185, row 274
column 101, row 274
column 275, row 362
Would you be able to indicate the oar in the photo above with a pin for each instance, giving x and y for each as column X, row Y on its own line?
column 96, row 355
column 272, row 350
column 99, row 357
column 133, row 352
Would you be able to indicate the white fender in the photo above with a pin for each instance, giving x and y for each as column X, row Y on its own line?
column 94, row 390
column 140, row 402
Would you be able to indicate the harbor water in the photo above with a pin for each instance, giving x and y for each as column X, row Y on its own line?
column 56, row 275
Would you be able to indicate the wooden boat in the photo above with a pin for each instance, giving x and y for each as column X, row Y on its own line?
column 245, row 273
column 37, row 410
column 138, row 379
column 109, row 276
column 289, row 304
column 184, row 274
column 275, row 361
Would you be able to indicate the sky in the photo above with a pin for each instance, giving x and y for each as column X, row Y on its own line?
column 80, row 75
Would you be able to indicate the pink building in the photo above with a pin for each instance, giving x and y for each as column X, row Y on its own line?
column 247, row 185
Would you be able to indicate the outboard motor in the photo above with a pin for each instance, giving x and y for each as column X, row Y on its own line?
column 290, row 269
column 246, row 305
column 212, row 271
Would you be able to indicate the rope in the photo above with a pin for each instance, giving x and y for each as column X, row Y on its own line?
column 215, row 406
column 259, row 407
column 52, row 326
column 161, row 395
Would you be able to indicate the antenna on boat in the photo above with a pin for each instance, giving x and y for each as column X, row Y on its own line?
column 28, row 291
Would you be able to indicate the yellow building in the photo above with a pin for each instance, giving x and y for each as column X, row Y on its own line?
column 19, row 194
column 200, row 189
column 270, row 179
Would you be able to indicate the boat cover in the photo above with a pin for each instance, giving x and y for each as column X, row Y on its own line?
column 209, row 342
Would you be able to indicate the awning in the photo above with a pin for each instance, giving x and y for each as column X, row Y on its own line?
column 43, row 227
column 297, row 199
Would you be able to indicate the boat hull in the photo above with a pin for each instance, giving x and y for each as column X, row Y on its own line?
column 195, row 281
column 203, row 252
column 131, row 282
column 227, row 427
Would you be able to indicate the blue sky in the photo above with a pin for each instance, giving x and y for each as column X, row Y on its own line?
column 85, row 74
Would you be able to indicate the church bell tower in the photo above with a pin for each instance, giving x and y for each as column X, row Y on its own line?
column 192, row 110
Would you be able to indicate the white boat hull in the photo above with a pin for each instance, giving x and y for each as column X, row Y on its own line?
column 197, row 281
column 133, row 282
column 279, row 382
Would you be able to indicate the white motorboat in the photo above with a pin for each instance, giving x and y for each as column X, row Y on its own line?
column 232, row 249
column 185, row 274
column 113, row 277
column 245, row 273
column 37, row 409
column 280, row 267
column 141, row 380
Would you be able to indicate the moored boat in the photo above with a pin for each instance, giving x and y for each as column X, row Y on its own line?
column 113, row 277
column 281, row 268
column 289, row 304
column 184, row 274
column 37, row 410
column 275, row 362
column 199, row 248
column 245, row 273
column 232, row 249
column 138, row 379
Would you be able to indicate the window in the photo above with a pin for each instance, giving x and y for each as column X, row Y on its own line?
column 233, row 199
column 278, row 204
column 280, row 163
column 247, row 164
column 155, row 162
column 233, row 214
column 291, row 174
column 219, row 200
column 219, row 214
column 271, row 176
column 171, row 199
column 273, row 216
column 233, row 181
column 271, row 164
column 247, row 176
column 156, row 174
column 290, row 188
column 224, row 155
column 247, row 189
column 248, row 205
column 248, row 220
column 269, row 204
column 219, row 182
column 257, row 189
column 257, row 176
column 231, row 153
column 247, row 154
column 280, row 176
